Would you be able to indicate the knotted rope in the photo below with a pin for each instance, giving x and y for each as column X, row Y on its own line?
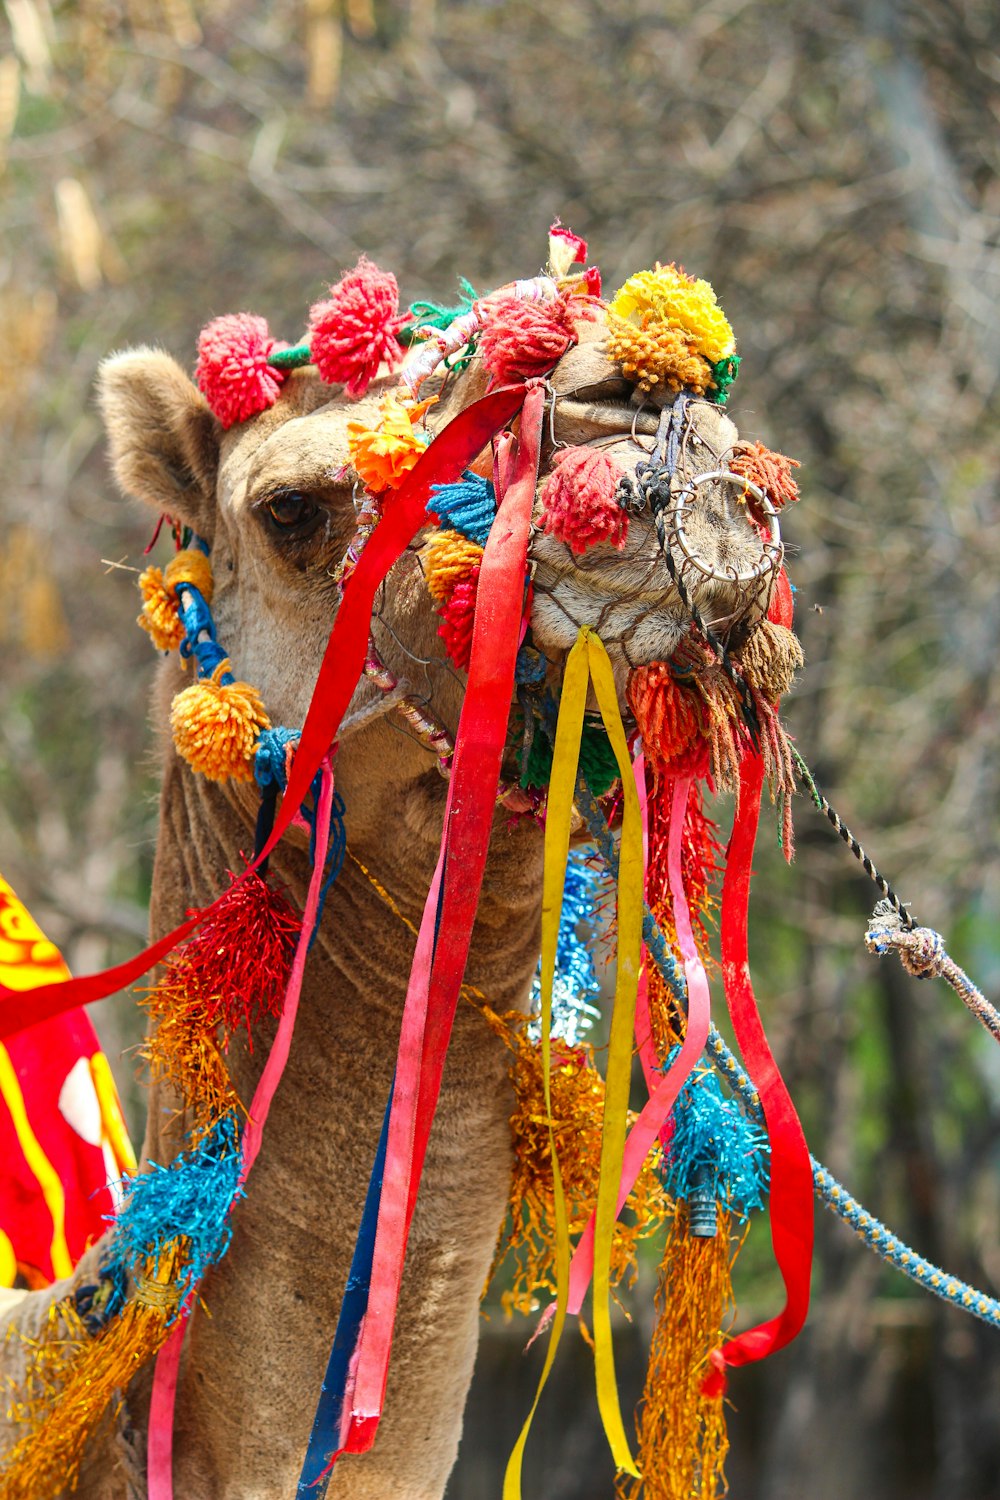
column 922, row 953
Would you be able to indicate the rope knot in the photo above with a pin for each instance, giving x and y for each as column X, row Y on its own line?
column 921, row 950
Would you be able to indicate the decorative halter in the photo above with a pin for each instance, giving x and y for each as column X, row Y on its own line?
column 694, row 1158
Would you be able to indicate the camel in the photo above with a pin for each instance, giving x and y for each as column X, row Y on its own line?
column 255, row 1354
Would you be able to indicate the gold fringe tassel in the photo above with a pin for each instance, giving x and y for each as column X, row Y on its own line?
column 682, row 1433
column 70, row 1379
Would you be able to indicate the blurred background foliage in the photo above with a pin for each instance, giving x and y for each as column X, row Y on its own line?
column 835, row 172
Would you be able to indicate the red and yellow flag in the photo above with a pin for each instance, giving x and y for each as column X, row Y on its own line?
column 63, row 1140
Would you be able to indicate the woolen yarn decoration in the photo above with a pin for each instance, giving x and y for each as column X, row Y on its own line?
column 232, row 372
column 519, row 340
column 354, row 330
column 578, row 500
column 216, row 726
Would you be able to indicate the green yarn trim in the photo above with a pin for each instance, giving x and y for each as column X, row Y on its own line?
column 290, row 359
column 597, row 760
column 435, row 314
column 723, row 375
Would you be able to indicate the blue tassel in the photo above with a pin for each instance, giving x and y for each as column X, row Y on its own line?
column 714, row 1149
column 469, row 506
column 576, row 977
column 192, row 1199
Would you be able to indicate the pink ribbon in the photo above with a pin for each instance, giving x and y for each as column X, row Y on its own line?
column 159, row 1456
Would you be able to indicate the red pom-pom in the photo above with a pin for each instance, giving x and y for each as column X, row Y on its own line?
column 354, row 330
column 781, row 609
column 520, row 339
column 232, row 372
column 457, row 615
column 578, row 501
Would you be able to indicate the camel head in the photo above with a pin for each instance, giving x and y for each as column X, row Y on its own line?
column 284, row 468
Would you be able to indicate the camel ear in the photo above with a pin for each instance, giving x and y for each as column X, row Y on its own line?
column 162, row 437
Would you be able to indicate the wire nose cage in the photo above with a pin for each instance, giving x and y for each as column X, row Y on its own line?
column 772, row 550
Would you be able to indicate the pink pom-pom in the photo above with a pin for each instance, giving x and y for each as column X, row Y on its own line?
column 232, row 371
column 354, row 330
column 457, row 616
column 521, row 339
column 578, row 501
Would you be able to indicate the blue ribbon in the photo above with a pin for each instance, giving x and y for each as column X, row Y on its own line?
column 325, row 1436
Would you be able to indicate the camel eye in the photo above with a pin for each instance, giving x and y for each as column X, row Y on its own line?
column 292, row 511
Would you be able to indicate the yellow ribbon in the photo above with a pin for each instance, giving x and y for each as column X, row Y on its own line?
column 588, row 661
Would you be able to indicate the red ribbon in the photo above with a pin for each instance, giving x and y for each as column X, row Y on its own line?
column 343, row 661
column 433, row 994
column 791, row 1195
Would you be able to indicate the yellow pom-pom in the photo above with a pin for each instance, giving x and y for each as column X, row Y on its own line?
column 190, row 566
column 382, row 456
column 216, row 726
column 159, row 616
column 448, row 558
column 658, row 355
column 667, row 295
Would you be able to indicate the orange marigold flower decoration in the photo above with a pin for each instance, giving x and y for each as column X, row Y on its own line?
column 382, row 456
column 653, row 353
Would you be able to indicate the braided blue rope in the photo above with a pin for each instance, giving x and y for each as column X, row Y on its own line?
column 199, row 633
column 832, row 1194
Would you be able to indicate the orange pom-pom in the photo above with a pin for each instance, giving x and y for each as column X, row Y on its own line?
column 160, row 616
column 190, row 566
column 658, row 353
column 216, row 726
column 666, row 714
column 769, row 471
column 578, row 501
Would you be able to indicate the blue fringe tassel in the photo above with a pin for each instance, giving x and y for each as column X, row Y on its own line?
column 192, row 1199
column 712, row 1139
column 469, row 506
column 576, row 977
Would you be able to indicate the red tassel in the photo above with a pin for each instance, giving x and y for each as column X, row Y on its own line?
column 667, row 715
column 232, row 371
column 578, row 501
column 239, row 960
column 354, row 330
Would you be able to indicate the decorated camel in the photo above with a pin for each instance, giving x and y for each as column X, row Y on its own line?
column 538, row 540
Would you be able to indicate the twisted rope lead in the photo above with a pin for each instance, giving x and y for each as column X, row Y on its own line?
column 831, row 1193
column 821, row 802
column 922, row 953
